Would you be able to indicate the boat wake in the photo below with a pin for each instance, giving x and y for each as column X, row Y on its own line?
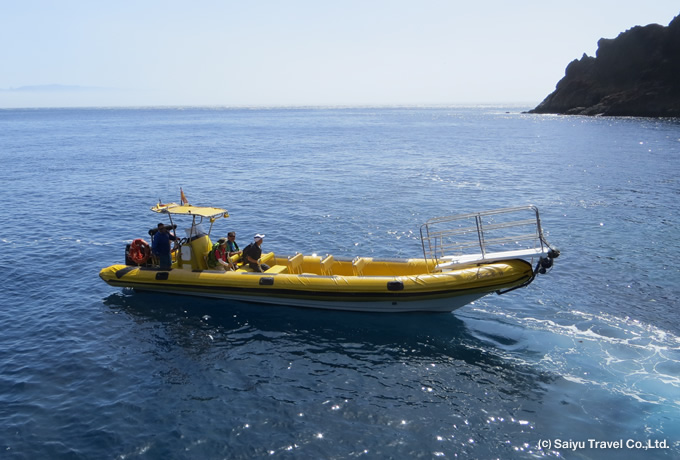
column 620, row 356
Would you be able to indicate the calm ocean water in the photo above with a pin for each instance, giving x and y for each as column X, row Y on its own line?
column 590, row 351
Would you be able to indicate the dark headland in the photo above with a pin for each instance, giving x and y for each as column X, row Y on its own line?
column 635, row 74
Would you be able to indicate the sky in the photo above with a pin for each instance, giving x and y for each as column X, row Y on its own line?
column 265, row 53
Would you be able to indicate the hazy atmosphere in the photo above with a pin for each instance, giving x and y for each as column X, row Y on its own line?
column 270, row 53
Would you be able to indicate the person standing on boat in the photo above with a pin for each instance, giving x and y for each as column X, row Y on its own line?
column 160, row 246
column 232, row 247
column 252, row 254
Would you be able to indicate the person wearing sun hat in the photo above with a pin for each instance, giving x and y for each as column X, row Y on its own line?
column 253, row 252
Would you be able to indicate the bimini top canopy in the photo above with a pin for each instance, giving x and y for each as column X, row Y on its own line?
column 189, row 210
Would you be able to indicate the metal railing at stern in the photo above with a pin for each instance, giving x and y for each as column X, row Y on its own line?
column 483, row 236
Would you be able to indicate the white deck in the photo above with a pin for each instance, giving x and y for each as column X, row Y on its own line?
column 452, row 261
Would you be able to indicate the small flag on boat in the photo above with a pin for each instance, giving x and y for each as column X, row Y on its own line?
column 183, row 199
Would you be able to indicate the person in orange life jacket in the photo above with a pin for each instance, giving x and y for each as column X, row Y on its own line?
column 221, row 255
column 160, row 246
column 253, row 252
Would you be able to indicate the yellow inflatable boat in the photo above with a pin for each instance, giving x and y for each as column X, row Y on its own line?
column 464, row 258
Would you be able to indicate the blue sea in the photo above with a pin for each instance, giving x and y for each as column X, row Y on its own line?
column 582, row 364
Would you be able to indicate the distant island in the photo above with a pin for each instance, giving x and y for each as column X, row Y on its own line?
column 635, row 74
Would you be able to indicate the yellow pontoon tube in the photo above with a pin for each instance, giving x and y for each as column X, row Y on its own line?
column 379, row 289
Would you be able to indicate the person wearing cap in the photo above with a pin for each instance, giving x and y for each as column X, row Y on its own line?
column 252, row 254
column 160, row 246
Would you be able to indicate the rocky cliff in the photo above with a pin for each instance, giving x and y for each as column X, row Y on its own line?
column 634, row 74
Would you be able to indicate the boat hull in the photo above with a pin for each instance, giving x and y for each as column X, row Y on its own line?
column 425, row 292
